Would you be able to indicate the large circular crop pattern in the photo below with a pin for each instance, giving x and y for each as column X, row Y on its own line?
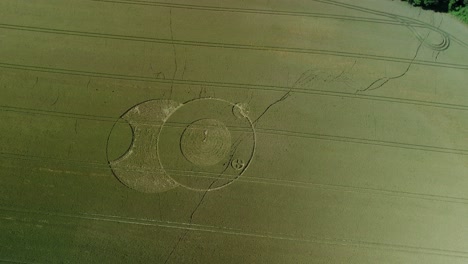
column 210, row 138
column 203, row 145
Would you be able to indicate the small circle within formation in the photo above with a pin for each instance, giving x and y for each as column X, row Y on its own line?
column 238, row 164
column 205, row 142
column 240, row 110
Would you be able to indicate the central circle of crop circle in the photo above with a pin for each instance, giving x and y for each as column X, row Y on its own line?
column 205, row 142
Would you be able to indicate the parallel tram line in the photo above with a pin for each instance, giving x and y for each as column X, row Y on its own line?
column 100, row 166
column 237, row 232
column 235, row 46
column 252, row 11
column 414, row 22
column 235, row 85
column 392, row 19
column 243, row 86
column 272, row 131
column 230, row 85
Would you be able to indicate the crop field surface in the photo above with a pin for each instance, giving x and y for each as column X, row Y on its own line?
column 286, row 131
